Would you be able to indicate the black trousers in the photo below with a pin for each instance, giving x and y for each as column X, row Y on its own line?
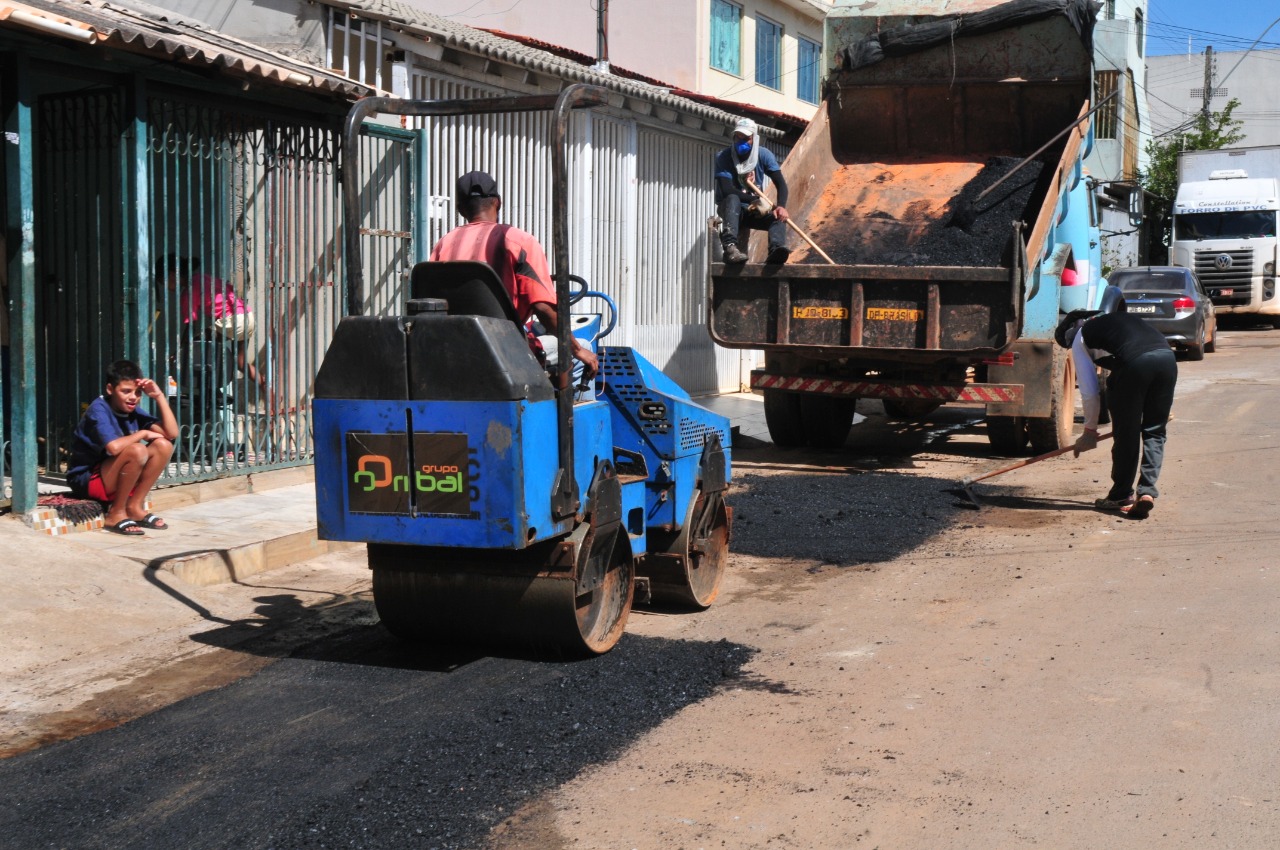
column 737, row 217
column 1139, row 396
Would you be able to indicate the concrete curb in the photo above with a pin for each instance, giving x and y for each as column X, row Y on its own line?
column 220, row 566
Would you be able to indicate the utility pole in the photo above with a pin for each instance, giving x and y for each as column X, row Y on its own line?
column 1208, row 83
column 602, row 37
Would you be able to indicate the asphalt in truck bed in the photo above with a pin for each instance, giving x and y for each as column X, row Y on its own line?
column 903, row 239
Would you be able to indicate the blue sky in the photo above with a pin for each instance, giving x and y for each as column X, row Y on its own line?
column 1221, row 24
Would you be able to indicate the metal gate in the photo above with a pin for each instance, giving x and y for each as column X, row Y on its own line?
column 80, row 260
column 388, row 159
column 244, row 234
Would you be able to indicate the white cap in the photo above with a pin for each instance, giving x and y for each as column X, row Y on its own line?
column 745, row 126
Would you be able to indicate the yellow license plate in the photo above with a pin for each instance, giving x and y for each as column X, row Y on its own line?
column 894, row 314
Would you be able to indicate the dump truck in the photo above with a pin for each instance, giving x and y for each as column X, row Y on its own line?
column 1224, row 226
column 938, row 291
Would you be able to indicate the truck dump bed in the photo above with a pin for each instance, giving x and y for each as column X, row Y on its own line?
column 909, row 132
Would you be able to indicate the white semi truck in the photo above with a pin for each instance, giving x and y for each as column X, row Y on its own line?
column 1224, row 226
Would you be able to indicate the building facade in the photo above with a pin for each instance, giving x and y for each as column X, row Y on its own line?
column 157, row 136
column 766, row 53
column 1121, row 128
column 1178, row 87
column 134, row 140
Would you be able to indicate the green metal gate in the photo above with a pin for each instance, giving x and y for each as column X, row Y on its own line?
column 243, row 216
column 79, row 307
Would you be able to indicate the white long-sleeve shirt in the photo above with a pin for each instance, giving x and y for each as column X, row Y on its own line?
column 1087, row 380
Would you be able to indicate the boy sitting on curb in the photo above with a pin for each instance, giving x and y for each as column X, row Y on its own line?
column 119, row 450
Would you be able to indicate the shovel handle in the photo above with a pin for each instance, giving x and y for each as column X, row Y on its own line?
column 1043, row 148
column 767, row 205
column 972, row 479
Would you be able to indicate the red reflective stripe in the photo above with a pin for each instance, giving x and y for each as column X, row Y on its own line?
column 871, row 389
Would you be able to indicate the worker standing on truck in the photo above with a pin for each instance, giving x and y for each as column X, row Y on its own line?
column 1143, row 373
column 746, row 160
column 514, row 254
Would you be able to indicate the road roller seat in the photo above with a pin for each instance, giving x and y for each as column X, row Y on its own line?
column 470, row 288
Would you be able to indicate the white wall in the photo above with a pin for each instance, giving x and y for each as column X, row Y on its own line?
column 1176, row 82
column 1116, row 47
column 640, row 194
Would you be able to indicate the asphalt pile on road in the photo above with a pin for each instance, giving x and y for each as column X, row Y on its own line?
column 838, row 520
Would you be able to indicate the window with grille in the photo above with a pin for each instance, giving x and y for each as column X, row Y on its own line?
column 807, row 60
column 1139, row 28
column 768, row 53
column 726, row 37
column 1106, row 119
column 1109, row 13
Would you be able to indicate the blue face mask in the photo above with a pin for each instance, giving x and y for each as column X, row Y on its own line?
column 742, row 148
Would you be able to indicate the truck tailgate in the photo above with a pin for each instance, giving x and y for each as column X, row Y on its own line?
column 893, row 312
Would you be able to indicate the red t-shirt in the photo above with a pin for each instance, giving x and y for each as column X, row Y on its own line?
column 522, row 266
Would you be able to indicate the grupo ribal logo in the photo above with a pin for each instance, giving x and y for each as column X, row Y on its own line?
column 384, row 477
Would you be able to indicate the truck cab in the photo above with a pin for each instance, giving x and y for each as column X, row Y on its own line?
column 1224, row 229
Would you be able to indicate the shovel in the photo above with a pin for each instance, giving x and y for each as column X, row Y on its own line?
column 966, row 486
column 964, row 217
column 765, row 206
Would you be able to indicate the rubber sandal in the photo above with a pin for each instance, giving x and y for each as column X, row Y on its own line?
column 1142, row 508
column 1113, row 504
column 153, row 521
column 126, row 527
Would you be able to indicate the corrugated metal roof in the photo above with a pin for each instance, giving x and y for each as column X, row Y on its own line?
column 479, row 42
column 148, row 30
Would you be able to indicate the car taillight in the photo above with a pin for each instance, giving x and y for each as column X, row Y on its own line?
column 1183, row 304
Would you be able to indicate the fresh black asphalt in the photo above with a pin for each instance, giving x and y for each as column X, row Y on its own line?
column 358, row 741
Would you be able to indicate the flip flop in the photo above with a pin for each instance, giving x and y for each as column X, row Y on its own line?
column 127, row 527
column 153, row 521
column 1142, row 508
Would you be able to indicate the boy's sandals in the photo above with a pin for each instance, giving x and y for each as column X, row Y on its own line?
column 127, row 527
column 153, row 521
column 1142, row 508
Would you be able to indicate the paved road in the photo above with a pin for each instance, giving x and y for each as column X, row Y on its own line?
column 887, row 668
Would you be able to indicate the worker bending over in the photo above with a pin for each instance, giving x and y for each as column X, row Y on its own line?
column 1143, row 373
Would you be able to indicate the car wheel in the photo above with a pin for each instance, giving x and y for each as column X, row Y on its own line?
column 1196, row 351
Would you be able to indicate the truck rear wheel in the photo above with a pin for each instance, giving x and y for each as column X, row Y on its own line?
column 827, row 419
column 782, row 415
column 1054, row 431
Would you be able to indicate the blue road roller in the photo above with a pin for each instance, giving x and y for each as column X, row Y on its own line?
column 497, row 508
